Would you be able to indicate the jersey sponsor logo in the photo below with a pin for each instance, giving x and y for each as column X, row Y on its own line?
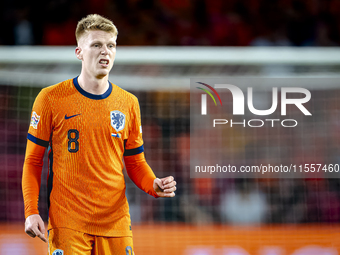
column 140, row 129
column 69, row 117
column 35, row 120
column 58, row 252
column 117, row 120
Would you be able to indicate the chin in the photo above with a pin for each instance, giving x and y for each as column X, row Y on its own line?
column 102, row 74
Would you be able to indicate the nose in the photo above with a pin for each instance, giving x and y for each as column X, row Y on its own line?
column 104, row 51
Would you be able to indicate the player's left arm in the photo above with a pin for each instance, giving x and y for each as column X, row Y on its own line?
column 142, row 175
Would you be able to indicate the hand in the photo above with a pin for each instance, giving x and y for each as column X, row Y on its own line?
column 34, row 226
column 165, row 187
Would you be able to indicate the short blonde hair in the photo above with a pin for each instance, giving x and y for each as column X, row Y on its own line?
column 95, row 22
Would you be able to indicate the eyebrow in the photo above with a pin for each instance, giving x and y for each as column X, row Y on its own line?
column 99, row 42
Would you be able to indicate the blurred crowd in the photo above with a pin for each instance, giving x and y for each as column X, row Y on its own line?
column 250, row 201
column 177, row 22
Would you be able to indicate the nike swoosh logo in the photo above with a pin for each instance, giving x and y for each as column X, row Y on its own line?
column 69, row 117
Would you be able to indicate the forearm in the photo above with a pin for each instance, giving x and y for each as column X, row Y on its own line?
column 31, row 177
column 140, row 173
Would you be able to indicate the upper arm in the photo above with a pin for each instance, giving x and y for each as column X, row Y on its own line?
column 41, row 120
column 134, row 143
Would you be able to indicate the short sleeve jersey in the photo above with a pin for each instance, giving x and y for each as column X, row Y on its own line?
column 87, row 136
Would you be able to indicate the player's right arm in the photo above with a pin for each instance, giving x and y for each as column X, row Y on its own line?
column 31, row 180
column 37, row 141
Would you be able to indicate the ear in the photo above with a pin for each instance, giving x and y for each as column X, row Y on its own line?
column 79, row 53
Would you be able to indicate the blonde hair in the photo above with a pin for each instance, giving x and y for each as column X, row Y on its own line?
column 94, row 22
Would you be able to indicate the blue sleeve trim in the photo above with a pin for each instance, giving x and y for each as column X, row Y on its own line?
column 37, row 140
column 134, row 151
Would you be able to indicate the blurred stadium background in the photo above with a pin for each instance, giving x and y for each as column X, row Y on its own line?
column 161, row 45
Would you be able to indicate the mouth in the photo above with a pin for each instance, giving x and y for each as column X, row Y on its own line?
column 104, row 62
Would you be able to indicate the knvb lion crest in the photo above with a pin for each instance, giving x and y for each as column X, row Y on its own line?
column 117, row 120
column 58, row 252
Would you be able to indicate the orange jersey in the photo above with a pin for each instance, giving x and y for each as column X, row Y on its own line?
column 87, row 135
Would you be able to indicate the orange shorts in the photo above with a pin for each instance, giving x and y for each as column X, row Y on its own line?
column 64, row 241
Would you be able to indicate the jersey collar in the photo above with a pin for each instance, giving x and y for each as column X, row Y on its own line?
column 89, row 95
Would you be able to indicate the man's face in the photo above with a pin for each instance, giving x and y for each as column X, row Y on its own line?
column 97, row 50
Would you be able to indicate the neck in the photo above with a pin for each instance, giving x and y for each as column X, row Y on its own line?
column 93, row 85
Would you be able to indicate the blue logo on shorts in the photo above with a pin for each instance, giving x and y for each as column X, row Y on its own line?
column 58, row 252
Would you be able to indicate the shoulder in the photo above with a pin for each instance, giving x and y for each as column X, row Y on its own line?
column 56, row 91
column 128, row 97
column 61, row 86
